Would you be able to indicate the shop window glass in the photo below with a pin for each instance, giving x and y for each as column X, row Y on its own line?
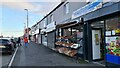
column 112, row 24
column 77, row 33
column 113, row 37
column 51, row 18
column 44, row 38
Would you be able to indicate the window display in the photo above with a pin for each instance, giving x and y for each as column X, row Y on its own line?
column 113, row 40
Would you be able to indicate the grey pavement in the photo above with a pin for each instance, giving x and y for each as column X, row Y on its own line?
column 39, row 55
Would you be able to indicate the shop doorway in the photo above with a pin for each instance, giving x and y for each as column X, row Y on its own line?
column 98, row 50
column 96, row 35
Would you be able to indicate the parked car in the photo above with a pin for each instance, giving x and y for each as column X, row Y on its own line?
column 6, row 46
column 15, row 40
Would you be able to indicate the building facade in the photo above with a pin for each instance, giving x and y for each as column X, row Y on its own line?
column 89, row 30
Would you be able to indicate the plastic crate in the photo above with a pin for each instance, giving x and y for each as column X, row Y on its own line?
column 113, row 58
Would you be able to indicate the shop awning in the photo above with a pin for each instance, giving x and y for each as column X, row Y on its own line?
column 67, row 24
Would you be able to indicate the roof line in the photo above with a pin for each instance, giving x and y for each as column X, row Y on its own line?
column 50, row 12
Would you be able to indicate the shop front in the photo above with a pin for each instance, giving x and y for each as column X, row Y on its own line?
column 50, row 30
column 69, row 39
column 113, row 40
column 44, row 37
column 101, row 34
column 36, row 36
column 104, row 40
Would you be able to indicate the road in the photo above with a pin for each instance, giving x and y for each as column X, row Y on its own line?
column 5, row 59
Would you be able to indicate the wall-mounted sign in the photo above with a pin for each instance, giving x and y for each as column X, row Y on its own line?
column 37, row 31
column 51, row 27
column 43, row 31
column 87, row 8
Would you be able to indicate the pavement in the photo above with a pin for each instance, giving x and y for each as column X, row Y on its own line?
column 39, row 55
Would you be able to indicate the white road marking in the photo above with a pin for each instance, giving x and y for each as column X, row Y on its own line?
column 11, row 61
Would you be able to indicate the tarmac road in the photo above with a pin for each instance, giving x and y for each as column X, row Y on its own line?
column 5, row 59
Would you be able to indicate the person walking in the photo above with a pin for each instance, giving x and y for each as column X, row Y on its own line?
column 26, row 41
column 13, row 43
column 22, row 41
column 19, row 41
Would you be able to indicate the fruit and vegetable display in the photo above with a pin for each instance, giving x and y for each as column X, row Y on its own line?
column 113, row 46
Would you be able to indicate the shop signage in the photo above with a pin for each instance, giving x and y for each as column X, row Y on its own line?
column 37, row 31
column 51, row 27
column 32, row 33
column 87, row 8
column 43, row 31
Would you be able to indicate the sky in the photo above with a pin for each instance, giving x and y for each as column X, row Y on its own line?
column 13, row 16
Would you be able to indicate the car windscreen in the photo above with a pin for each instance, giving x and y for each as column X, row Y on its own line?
column 4, row 41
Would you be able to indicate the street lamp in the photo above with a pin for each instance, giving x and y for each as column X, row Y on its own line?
column 27, row 24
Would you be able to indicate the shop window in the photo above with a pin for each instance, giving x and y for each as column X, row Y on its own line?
column 44, row 39
column 77, row 33
column 46, row 21
column 113, row 40
column 112, row 24
column 51, row 18
column 99, row 24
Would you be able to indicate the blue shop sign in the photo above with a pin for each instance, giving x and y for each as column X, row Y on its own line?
column 88, row 8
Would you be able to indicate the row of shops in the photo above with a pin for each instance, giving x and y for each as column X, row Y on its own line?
column 93, row 36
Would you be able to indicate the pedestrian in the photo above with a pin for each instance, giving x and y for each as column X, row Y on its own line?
column 26, row 41
column 19, row 41
column 13, row 43
column 22, row 41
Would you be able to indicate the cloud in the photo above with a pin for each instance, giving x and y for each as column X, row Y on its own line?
column 39, row 7
column 36, row 6
column 45, row 8
column 14, row 34
column 30, row 0
column 18, row 5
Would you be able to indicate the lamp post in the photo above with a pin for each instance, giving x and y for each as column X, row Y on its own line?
column 27, row 24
